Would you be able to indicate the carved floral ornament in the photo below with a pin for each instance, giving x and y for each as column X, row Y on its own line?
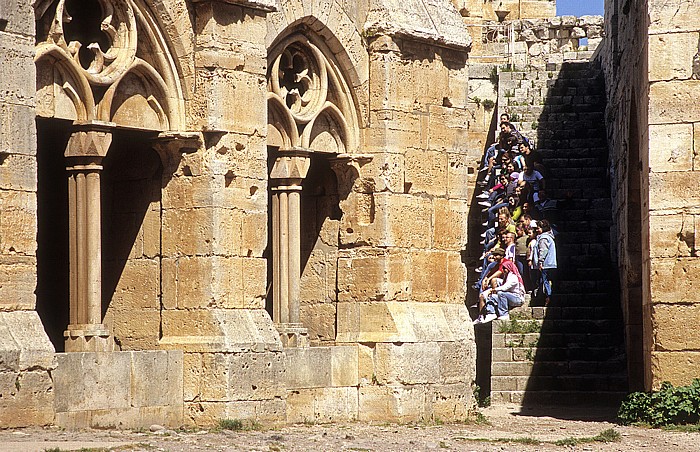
column 104, row 60
column 309, row 102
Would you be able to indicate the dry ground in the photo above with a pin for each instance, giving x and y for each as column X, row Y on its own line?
column 506, row 430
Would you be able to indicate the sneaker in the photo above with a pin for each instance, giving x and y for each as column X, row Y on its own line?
column 483, row 242
column 479, row 320
column 484, row 195
column 485, row 209
column 486, row 168
column 483, row 235
column 485, row 224
column 482, row 183
column 474, row 306
column 485, row 203
column 489, row 318
column 505, row 316
column 478, row 269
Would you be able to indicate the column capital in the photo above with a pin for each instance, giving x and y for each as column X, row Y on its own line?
column 90, row 139
column 291, row 164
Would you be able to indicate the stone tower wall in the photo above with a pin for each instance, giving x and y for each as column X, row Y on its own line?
column 26, row 355
column 650, row 59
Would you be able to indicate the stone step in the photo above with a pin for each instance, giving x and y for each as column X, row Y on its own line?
column 555, row 339
column 559, row 325
column 585, row 382
column 557, row 398
column 594, row 355
column 570, row 372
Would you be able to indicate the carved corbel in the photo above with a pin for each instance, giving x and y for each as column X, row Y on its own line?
column 171, row 145
column 356, row 194
column 347, row 168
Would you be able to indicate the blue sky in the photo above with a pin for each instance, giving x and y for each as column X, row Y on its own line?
column 580, row 7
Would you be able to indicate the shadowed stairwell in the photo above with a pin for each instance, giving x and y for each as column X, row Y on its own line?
column 571, row 352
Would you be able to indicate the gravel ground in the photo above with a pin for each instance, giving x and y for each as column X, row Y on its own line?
column 506, row 430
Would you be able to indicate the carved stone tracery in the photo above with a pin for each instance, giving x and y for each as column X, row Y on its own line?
column 309, row 103
column 100, row 60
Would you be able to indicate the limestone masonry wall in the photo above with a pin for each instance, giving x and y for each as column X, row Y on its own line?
column 26, row 355
column 258, row 205
column 650, row 60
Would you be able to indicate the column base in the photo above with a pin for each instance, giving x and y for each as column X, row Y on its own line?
column 293, row 335
column 88, row 338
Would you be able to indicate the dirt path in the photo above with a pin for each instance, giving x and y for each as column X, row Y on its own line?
column 506, row 430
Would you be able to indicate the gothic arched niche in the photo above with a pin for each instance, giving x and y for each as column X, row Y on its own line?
column 310, row 105
column 105, row 60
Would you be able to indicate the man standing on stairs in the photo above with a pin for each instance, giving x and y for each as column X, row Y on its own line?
column 546, row 258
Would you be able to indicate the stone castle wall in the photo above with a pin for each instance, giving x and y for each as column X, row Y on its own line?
column 26, row 355
column 650, row 62
column 184, row 159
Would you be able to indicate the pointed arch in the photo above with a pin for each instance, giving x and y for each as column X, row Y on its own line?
column 124, row 56
column 308, row 84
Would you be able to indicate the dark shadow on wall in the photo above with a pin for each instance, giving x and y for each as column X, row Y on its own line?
column 131, row 182
column 52, row 289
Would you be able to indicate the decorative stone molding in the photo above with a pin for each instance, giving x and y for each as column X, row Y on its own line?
column 262, row 5
column 104, row 61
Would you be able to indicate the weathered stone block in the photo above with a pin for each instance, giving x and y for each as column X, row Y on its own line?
column 392, row 403
column 674, row 102
column 322, row 405
column 671, row 235
column 456, row 361
column 406, row 219
column 219, row 330
column 426, row 172
column 673, row 16
column 18, row 276
column 408, row 363
column 450, row 223
column 27, row 399
column 670, row 331
column 671, row 283
column 18, row 172
column 680, row 368
column 319, row 319
column 670, row 190
column 429, row 275
column 17, row 57
column 403, row 322
column 672, row 147
column 255, row 376
column 132, row 335
column 671, row 56
column 92, row 381
column 163, row 390
column 13, row 139
column 451, row 402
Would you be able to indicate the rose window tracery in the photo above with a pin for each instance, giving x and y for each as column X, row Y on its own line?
column 90, row 66
column 310, row 105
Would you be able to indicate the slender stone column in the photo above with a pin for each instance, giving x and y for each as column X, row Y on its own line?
column 286, row 176
column 294, row 224
column 283, row 229
column 84, row 153
column 276, row 282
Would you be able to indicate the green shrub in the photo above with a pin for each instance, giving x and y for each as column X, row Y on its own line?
column 488, row 104
column 669, row 405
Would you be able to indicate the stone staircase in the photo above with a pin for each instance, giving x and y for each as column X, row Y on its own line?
column 573, row 351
